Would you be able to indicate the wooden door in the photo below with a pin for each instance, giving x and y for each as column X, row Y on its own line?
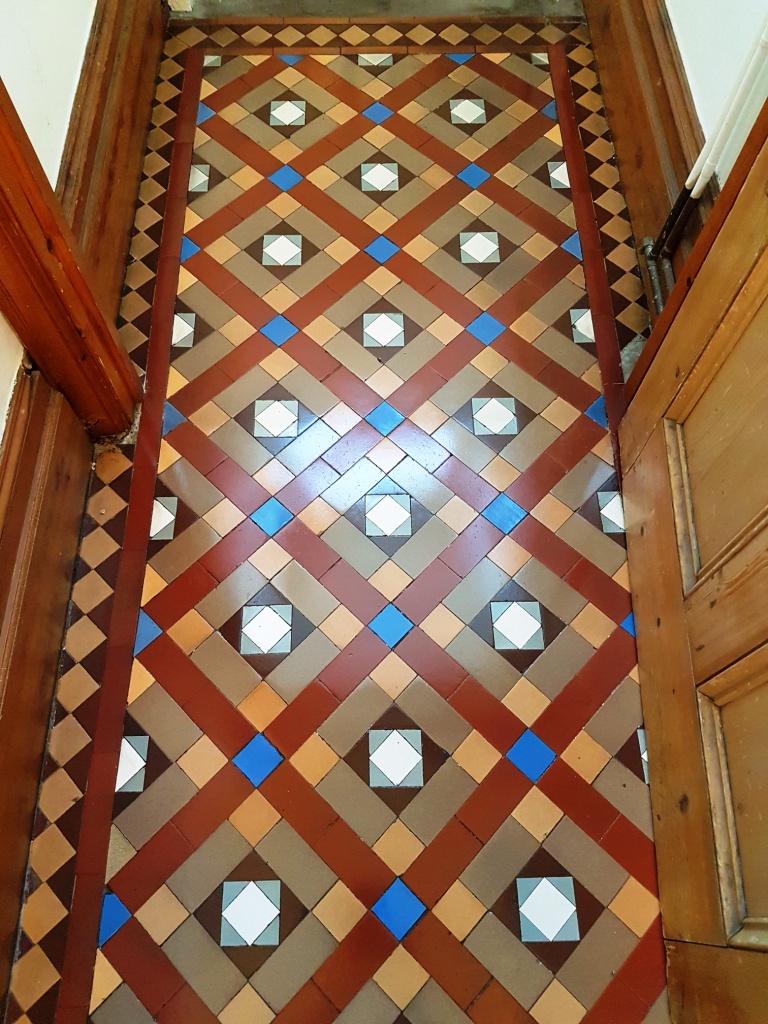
column 694, row 449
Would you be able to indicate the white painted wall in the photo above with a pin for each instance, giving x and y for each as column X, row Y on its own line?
column 42, row 45
column 10, row 360
column 714, row 38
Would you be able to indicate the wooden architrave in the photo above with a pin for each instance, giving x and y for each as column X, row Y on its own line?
column 46, row 297
column 103, row 154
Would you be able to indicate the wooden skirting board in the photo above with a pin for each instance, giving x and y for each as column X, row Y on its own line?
column 46, row 454
column 650, row 111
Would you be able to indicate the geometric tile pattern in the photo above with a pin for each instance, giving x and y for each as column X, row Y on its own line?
column 381, row 757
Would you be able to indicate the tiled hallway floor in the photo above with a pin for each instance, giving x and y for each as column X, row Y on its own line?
column 382, row 758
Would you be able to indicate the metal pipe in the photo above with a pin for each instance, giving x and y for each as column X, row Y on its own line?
column 646, row 250
column 669, row 223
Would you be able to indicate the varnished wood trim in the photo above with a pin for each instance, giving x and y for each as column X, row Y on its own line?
column 711, row 985
column 46, row 296
column 101, row 168
column 44, row 469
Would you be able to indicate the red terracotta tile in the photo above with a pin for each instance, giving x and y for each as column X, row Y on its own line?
column 451, row 302
column 495, row 1004
column 352, row 447
column 438, row 866
column 239, row 486
column 451, row 965
column 304, row 488
column 494, row 800
column 238, row 362
column 308, row 550
column 199, row 391
column 427, row 591
column 471, row 545
column 303, row 808
column 536, row 482
column 644, row 971
column 456, row 355
column 248, row 304
column 431, row 662
column 155, row 862
column 576, row 798
column 191, row 443
column 606, row 594
column 212, row 805
column 350, row 389
column 186, row 1007
column 303, row 716
column 633, row 850
column 580, row 394
column 419, row 445
column 513, row 304
column 143, row 966
column 214, row 227
column 353, row 664
column 355, row 961
column 212, row 712
column 309, row 1004
column 234, row 549
column 181, row 595
column 168, row 665
column 361, row 597
column 576, row 441
column 486, row 714
column 354, row 862
column 552, row 552
column 468, row 485
column 417, row 390
column 617, row 1003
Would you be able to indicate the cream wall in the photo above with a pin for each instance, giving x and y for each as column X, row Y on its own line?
column 10, row 359
column 42, row 45
column 714, row 38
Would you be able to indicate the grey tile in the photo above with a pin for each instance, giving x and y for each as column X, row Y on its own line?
column 370, row 1006
column 582, row 481
column 353, row 485
column 353, row 356
column 476, row 590
column 419, row 309
column 226, row 668
column 442, row 796
column 250, row 273
column 186, row 549
column 361, row 553
column 414, row 355
column 499, row 861
column 554, row 668
column 210, row 307
column 121, row 1007
column 296, row 863
column 483, row 662
column 618, row 718
column 307, row 447
column 354, row 716
column 169, row 726
column 501, row 953
column 155, row 806
column 303, row 664
column 627, row 793
column 246, row 389
column 551, row 590
column 421, row 484
column 597, row 958
column 424, row 547
column 585, row 860
column 191, row 486
column 530, row 443
column 564, row 351
column 593, row 544
column 433, row 1006
column 208, row 866
column 230, row 595
column 356, row 803
column 305, row 593
column 659, row 1012
column 215, row 199
column 293, row 963
column 202, row 356
column 464, row 445
column 241, row 446
column 459, row 389
column 530, row 392
column 434, row 715
column 203, row 964
column 557, row 301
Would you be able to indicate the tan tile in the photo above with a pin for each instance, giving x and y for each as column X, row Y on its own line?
column 511, row 175
column 398, row 847
column 270, row 558
column 341, row 250
column 175, row 383
column 459, row 910
column 604, row 450
column 281, row 298
column 537, row 814
column 224, row 517
column 202, row 761
column 393, row 675
column 386, row 455
column 557, row 1006
column 254, row 818
column 153, row 584
column 621, row 576
column 339, row 910
column 190, row 631
column 475, row 202
column 471, row 149
column 322, row 177
column 262, row 706
column 141, row 680
column 67, row 738
column 593, row 377
column 105, row 981
column 586, row 757
column 96, row 547
column 414, row 112
column 380, row 220
column 561, row 414
column 384, row 382
column 379, row 136
column 525, row 701
column 382, row 280
column 274, row 476
column 57, row 794
column 110, row 464
column 457, row 514
column 285, row 152
column 42, row 911
column 341, row 418
column 341, row 113
column 442, row 626
column 314, row 759
column 551, row 512
column 278, row 363
column 509, row 556
column 341, row 627
column 401, row 977
column 476, row 756
column 445, row 329
column 236, row 330
column 49, row 851
column 162, row 914
column 82, row 638
column 222, row 250
column 429, row 417
column 499, row 473
column 168, row 456
column 33, row 976
column 593, row 625
column 529, row 326
column 75, row 686
column 420, row 248
column 246, row 178
column 246, row 1008
column 318, row 516
column 538, row 246
column 233, row 114
column 635, row 906
column 390, row 580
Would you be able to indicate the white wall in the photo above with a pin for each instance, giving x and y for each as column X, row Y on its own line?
column 10, row 359
column 42, row 45
column 714, row 38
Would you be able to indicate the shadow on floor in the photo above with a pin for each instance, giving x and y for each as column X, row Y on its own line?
column 387, row 8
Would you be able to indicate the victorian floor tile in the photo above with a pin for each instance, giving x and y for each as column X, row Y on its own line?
column 379, row 756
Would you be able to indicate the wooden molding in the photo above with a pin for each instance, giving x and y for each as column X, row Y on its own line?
column 101, row 167
column 655, row 128
column 45, row 464
column 46, row 296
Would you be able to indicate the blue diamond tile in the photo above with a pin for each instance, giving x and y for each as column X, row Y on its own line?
column 486, row 328
column 473, row 176
column 531, row 756
column 384, row 418
column 113, row 917
column 188, row 249
column 381, row 249
column 204, row 113
column 597, row 412
column 285, row 178
column 398, row 909
column 629, row 624
column 279, row 330
column 272, row 516
column 146, row 631
column 290, row 58
column 257, row 760
column 573, row 245
column 460, row 58
column 504, row 513
column 377, row 113
column 390, row 625
column 550, row 110
column 171, row 418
